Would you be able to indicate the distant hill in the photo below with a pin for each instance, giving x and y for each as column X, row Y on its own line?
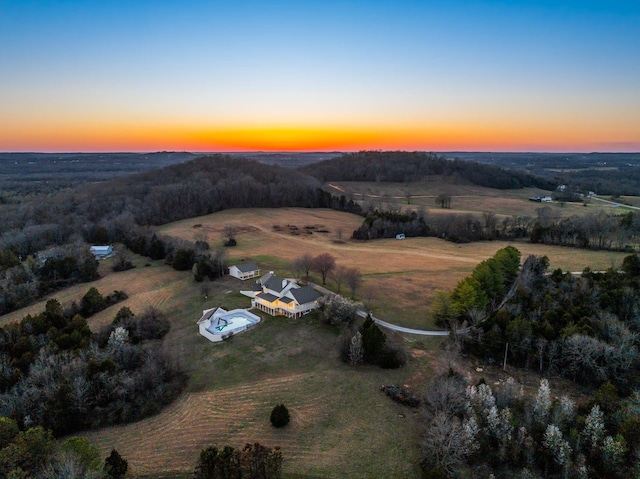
column 197, row 187
column 604, row 173
column 402, row 166
column 51, row 171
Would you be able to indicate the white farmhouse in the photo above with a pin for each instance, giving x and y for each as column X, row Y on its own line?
column 283, row 297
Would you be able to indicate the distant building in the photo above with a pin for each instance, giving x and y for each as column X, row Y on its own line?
column 541, row 199
column 101, row 252
column 400, row 236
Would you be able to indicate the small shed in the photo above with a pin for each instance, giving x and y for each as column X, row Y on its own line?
column 101, row 252
column 244, row 271
column 400, row 236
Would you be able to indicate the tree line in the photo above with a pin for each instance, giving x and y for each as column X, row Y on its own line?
column 458, row 228
column 600, row 231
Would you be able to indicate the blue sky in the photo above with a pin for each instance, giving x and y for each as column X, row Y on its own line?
column 420, row 75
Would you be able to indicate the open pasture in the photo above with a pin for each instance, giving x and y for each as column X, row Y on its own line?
column 399, row 277
column 465, row 198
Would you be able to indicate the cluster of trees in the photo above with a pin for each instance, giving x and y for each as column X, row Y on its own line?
column 479, row 294
column 459, row 228
column 592, row 231
column 22, row 282
column 404, row 166
column 253, row 461
column 582, row 327
column 368, row 344
column 180, row 254
column 325, row 265
column 34, row 452
column 54, row 373
column 472, row 430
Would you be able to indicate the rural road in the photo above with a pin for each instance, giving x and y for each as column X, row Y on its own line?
column 385, row 324
column 613, row 203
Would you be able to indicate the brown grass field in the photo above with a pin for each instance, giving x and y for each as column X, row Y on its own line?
column 342, row 426
column 399, row 277
column 465, row 198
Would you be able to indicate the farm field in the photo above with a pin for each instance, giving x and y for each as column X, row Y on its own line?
column 465, row 198
column 342, row 426
column 399, row 277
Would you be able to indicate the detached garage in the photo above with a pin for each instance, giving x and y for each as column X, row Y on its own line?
column 244, row 271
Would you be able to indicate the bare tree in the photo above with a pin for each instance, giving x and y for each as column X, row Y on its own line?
column 324, row 263
column 353, row 278
column 303, row 264
column 339, row 275
column 443, row 200
column 490, row 223
column 229, row 233
column 369, row 295
column 355, row 349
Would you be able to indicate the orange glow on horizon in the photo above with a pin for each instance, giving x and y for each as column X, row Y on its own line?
column 120, row 137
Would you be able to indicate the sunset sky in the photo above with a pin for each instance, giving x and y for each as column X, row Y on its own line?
column 333, row 75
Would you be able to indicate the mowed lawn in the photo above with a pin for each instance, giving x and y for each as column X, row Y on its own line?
column 399, row 277
column 342, row 426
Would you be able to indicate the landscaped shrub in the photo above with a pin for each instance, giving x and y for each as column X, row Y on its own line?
column 183, row 259
column 280, row 416
column 392, row 358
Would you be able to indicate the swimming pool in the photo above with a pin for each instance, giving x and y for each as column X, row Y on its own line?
column 218, row 324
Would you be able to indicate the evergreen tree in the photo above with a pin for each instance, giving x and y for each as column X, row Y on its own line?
column 373, row 341
column 115, row 466
column 280, row 416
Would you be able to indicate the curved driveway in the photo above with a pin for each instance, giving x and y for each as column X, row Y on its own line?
column 385, row 324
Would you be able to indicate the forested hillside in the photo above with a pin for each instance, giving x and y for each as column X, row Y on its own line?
column 198, row 187
column 403, row 166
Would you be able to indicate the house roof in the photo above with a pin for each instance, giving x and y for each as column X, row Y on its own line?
column 256, row 287
column 286, row 300
column 276, row 284
column 267, row 297
column 306, row 294
column 247, row 267
column 101, row 249
column 264, row 278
